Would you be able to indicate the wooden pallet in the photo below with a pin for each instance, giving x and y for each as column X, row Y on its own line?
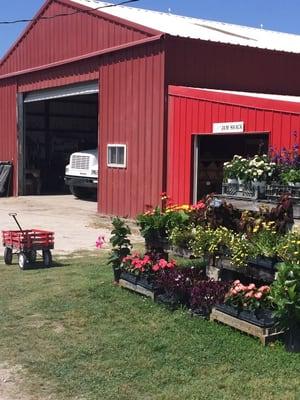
column 265, row 335
column 137, row 288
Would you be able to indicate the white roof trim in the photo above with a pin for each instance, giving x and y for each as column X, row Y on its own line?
column 280, row 97
column 202, row 29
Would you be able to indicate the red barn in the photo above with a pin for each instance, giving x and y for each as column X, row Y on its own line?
column 81, row 75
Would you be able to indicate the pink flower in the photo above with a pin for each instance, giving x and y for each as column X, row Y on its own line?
column 155, row 268
column 258, row 295
column 236, row 282
column 100, row 242
column 248, row 295
column 251, row 286
column 170, row 265
column 162, row 263
column 264, row 289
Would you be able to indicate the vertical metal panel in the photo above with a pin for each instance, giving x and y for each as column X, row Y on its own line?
column 64, row 37
column 192, row 62
column 8, row 126
column 189, row 115
column 132, row 113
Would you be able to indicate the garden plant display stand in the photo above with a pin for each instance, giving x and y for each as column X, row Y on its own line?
column 26, row 244
column 265, row 335
column 135, row 287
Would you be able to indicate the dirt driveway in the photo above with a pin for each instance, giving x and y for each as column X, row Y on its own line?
column 75, row 222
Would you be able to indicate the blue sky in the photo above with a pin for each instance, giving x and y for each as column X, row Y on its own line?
column 279, row 15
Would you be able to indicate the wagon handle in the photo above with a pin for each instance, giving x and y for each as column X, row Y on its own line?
column 15, row 218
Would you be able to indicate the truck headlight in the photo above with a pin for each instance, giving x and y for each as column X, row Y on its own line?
column 94, row 172
column 67, row 170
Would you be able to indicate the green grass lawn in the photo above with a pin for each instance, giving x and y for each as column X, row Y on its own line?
column 78, row 336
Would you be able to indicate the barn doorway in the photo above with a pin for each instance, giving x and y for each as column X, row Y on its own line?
column 56, row 123
column 212, row 150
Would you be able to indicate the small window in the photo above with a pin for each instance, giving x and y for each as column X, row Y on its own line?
column 116, row 155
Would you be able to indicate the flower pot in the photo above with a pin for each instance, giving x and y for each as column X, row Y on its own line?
column 158, row 243
column 263, row 262
column 147, row 283
column 294, row 184
column 117, row 274
column 261, row 318
column 232, row 181
column 292, row 339
column 129, row 277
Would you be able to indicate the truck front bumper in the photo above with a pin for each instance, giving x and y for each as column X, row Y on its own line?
column 91, row 183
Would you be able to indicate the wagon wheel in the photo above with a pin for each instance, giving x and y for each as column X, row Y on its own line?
column 8, row 255
column 47, row 258
column 23, row 260
column 31, row 254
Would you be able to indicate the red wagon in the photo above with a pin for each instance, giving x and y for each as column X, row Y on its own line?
column 26, row 243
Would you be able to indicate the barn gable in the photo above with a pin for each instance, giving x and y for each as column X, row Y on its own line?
column 46, row 41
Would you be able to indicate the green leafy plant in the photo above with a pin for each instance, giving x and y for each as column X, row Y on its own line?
column 121, row 245
column 182, row 237
column 265, row 242
column 285, row 294
column 159, row 223
column 290, row 176
column 241, row 250
column 210, row 241
column 236, row 168
column 289, row 248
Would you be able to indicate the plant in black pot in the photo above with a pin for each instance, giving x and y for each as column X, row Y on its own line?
column 156, row 225
column 143, row 270
column 121, row 246
column 249, row 303
column 176, row 285
column 265, row 246
column 285, row 296
column 206, row 294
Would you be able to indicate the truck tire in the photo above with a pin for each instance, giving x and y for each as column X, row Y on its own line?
column 79, row 192
column 83, row 193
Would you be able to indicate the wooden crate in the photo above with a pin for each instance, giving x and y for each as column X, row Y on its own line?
column 137, row 288
column 265, row 335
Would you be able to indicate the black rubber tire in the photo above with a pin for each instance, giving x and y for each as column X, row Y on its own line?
column 79, row 192
column 8, row 255
column 23, row 261
column 47, row 258
column 84, row 193
column 31, row 254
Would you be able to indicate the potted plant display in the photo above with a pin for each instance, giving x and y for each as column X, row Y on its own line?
column 290, row 177
column 155, row 225
column 234, row 170
column 206, row 294
column 249, row 303
column 285, row 296
column 260, row 170
column 265, row 244
column 142, row 270
column 121, row 246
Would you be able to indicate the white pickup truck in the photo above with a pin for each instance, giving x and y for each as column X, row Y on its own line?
column 81, row 174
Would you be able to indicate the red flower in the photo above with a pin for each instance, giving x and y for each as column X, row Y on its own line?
column 155, row 268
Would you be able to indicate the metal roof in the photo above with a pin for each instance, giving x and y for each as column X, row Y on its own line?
column 202, row 29
column 278, row 97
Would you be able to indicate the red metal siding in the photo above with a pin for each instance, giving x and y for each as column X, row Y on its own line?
column 86, row 70
column 189, row 114
column 132, row 113
column 47, row 41
column 198, row 63
column 8, row 125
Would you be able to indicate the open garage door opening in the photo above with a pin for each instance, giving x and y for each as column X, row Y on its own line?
column 212, row 150
column 57, row 123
